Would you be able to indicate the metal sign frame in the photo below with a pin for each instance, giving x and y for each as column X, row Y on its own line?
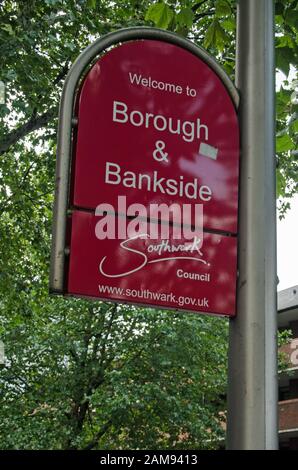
column 67, row 120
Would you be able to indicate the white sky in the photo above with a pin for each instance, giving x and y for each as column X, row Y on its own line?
column 287, row 247
column 287, row 232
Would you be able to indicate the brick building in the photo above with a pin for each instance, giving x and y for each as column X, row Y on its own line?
column 288, row 380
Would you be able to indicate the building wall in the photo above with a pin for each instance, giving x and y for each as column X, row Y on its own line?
column 288, row 390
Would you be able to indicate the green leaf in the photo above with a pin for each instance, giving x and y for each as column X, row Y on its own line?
column 215, row 36
column 283, row 95
column 284, row 143
column 221, row 38
column 285, row 41
column 222, row 8
column 91, row 3
column 292, row 18
column 229, row 24
column 185, row 17
column 283, row 98
column 284, row 57
column 229, row 68
column 280, row 184
column 8, row 28
column 210, row 36
column 294, row 126
column 161, row 15
column 279, row 20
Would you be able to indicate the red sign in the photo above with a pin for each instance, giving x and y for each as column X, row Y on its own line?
column 156, row 125
column 154, row 272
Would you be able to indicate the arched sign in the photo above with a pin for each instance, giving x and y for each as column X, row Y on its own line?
column 153, row 125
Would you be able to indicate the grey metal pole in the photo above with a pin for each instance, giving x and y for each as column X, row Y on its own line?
column 252, row 381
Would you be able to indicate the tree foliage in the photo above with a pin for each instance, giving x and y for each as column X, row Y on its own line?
column 92, row 375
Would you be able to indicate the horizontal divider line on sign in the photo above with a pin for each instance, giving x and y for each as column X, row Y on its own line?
column 155, row 221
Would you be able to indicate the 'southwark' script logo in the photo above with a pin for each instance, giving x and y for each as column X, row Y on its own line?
column 144, row 259
column 178, row 238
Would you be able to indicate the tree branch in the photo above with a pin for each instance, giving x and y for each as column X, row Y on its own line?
column 98, row 435
column 34, row 123
column 198, row 5
column 108, row 330
column 202, row 15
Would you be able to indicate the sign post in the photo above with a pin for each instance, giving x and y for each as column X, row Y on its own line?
column 252, row 384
